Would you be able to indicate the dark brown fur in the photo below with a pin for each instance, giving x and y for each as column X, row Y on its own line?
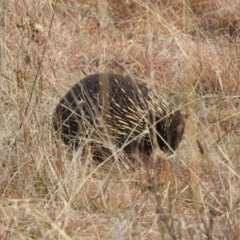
column 112, row 108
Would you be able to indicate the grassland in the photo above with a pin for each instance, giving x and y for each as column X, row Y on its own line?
column 188, row 47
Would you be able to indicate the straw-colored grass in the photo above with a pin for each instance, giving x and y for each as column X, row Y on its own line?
column 190, row 48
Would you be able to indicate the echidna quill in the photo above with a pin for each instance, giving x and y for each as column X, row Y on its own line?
column 103, row 108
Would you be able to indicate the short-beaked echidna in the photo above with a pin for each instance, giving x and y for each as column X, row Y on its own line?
column 119, row 109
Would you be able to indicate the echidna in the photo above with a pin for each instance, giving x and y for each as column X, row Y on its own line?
column 112, row 108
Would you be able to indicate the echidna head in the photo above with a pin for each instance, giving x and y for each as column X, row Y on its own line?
column 170, row 131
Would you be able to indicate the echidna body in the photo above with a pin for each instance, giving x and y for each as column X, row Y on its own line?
column 112, row 108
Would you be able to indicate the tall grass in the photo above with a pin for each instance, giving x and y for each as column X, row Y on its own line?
column 190, row 48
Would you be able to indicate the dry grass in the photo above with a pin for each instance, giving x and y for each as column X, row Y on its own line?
column 189, row 47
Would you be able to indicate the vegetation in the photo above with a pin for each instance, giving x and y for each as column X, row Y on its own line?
column 190, row 48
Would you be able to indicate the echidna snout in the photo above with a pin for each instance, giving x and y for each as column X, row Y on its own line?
column 125, row 110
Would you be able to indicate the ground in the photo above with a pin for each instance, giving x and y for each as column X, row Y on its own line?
column 189, row 50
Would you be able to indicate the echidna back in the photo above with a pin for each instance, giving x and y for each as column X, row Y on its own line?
column 103, row 107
